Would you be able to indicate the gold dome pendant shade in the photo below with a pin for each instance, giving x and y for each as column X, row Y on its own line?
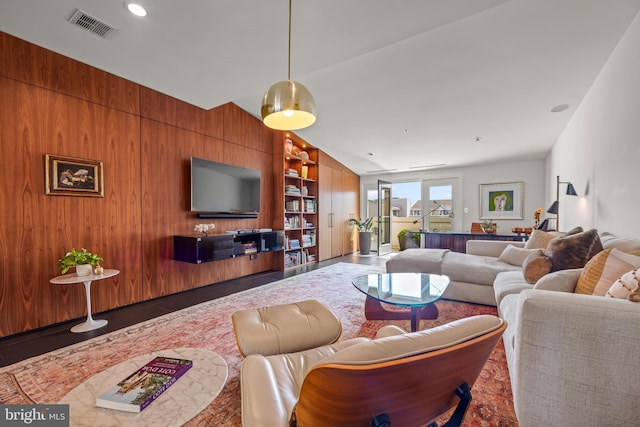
column 288, row 105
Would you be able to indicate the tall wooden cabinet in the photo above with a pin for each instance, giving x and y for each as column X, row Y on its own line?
column 338, row 192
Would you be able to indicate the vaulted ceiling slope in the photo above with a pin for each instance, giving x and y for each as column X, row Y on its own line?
column 415, row 83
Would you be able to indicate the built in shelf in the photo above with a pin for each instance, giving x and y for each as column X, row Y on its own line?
column 200, row 249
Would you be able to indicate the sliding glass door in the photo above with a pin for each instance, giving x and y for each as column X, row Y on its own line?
column 384, row 217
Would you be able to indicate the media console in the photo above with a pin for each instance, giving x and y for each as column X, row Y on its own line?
column 199, row 249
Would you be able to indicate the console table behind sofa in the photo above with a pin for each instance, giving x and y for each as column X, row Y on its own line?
column 457, row 242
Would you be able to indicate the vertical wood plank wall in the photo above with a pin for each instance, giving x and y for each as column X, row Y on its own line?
column 52, row 104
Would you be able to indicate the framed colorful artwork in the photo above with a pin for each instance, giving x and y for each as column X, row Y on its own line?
column 501, row 201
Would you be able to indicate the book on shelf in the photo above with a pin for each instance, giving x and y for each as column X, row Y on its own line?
column 249, row 248
column 294, row 244
column 291, row 189
column 292, row 205
column 291, row 172
column 305, row 171
column 145, row 385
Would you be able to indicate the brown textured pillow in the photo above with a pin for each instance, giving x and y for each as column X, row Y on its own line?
column 573, row 250
column 535, row 266
column 539, row 240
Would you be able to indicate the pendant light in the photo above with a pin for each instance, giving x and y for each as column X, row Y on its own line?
column 288, row 105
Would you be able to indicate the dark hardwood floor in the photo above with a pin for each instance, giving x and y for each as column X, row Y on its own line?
column 33, row 343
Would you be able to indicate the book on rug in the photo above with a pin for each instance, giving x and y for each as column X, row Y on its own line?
column 142, row 387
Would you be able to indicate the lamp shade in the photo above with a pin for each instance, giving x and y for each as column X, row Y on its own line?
column 288, row 105
column 570, row 190
column 553, row 209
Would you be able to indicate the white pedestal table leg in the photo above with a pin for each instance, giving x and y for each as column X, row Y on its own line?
column 89, row 324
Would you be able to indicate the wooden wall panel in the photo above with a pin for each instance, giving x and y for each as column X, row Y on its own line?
column 52, row 104
column 37, row 66
column 165, row 109
column 38, row 229
column 166, row 154
column 242, row 128
column 214, row 122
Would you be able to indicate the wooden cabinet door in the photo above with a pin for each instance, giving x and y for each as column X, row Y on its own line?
column 339, row 219
column 338, row 193
column 324, row 211
column 351, row 208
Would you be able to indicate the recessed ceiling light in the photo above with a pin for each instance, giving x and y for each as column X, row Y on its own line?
column 369, row 154
column 477, row 139
column 136, row 9
column 559, row 108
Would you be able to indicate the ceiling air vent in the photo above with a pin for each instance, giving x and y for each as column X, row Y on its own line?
column 91, row 23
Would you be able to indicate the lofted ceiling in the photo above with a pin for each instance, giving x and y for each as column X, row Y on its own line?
column 399, row 85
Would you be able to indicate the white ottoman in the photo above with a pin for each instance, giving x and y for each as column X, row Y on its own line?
column 285, row 328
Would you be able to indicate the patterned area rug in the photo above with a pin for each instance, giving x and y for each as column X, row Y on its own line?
column 47, row 378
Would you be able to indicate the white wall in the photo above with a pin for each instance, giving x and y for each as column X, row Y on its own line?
column 532, row 173
column 599, row 151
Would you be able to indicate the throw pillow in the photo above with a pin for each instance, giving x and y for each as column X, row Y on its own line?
column 515, row 256
column 603, row 269
column 559, row 281
column 573, row 249
column 539, row 240
column 626, row 286
column 535, row 266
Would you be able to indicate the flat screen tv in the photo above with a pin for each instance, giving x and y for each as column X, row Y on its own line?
column 219, row 190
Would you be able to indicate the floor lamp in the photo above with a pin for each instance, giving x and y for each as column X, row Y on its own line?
column 554, row 208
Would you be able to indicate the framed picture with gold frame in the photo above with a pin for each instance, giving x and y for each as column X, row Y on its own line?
column 70, row 176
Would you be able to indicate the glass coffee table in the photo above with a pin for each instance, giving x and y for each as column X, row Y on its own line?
column 418, row 291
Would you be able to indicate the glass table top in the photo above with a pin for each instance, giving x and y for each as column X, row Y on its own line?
column 406, row 289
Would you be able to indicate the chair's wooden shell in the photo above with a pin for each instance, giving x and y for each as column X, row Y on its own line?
column 413, row 391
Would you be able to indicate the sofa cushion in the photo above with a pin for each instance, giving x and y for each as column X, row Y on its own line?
column 573, row 249
column 626, row 286
column 559, row 281
column 509, row 283
column 509, row 312
column 539, row 240
column 473, row 269
column 624, row 244
column 603, row 269
column 417, row 261
column 535, row 266
column 515, row 256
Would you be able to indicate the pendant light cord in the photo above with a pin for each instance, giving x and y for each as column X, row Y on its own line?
column 289, row 54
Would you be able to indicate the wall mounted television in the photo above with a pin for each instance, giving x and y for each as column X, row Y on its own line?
column 220, row 190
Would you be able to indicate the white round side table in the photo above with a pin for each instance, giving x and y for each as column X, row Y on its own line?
column 66, row 279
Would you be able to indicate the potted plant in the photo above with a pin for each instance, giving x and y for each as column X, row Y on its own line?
column 408, row 239
column 489, row 227
column 82, row 260
column 364, row 234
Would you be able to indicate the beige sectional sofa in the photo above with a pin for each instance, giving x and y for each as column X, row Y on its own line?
column 471, row 275
column 573, row 359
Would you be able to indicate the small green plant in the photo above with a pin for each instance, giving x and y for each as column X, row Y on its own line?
column 73, row 258
column 488, row 226
column 404, row 234
column 365, row 225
